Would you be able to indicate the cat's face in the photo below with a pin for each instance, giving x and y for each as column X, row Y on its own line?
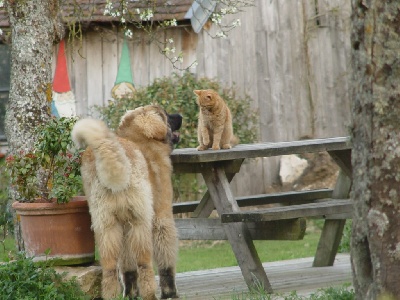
column 206, row 98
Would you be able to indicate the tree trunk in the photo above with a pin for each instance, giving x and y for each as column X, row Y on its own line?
column 375, row 244
column 35, row 28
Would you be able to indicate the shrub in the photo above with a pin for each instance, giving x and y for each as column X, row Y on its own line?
column 50, row 169
column 5, row 215
column 24, row 279
column 6, row 224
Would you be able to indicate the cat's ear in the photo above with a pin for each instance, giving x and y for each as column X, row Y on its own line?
column 197, row 92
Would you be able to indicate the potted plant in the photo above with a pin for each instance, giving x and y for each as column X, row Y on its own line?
column 55, row 222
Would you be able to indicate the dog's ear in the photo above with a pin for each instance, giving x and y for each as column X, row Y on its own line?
column 153, row 126
column 126, row 119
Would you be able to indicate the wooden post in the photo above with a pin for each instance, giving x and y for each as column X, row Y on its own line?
column 237, row 233
column 343, row 160
column 206, row 205
column 333, row 229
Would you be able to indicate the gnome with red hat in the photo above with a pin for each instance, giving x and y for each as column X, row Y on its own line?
column 63, row 104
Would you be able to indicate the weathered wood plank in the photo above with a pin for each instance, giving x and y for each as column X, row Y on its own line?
column 204, row 208
column 319, row 209
column 343, row 160
column 333, row 229
column 78, row 75
column 238, row 233
column 111, row 44
column 94, row 80
column 189, row 45
column 286, row 276
column 288, row 198
column 141, row 60
column 206, row 205
column 242, row 151
column 212, row 229
column 229, row 166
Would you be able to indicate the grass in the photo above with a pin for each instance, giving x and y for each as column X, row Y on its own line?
column 7, row 247
column 202, row 255
column 344, row 292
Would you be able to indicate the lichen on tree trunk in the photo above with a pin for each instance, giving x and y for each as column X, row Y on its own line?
column 35, row 28
column 375, row 244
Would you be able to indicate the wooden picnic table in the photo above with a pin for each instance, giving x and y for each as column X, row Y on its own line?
column 282, row 222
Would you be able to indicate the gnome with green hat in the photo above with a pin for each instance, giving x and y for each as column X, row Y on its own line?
column 124, row 86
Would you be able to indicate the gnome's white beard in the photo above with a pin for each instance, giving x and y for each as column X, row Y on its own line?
column 65, row 104
column 123, row 90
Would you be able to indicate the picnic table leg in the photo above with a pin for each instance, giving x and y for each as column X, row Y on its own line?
column 206, row 205
column 237, row 233
column 333, row 229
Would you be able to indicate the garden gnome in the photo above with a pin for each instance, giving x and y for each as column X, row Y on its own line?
column 63, row 104
column 124, row 86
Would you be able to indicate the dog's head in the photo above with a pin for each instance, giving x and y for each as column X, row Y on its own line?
column 151, row 122
column 175, row 123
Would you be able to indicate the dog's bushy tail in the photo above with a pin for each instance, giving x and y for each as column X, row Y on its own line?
column 112, row 165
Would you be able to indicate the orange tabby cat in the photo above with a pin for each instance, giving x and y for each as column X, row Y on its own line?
column 215, row 122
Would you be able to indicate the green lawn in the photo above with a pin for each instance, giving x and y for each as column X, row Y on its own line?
column 201, row 255
column 7, row 248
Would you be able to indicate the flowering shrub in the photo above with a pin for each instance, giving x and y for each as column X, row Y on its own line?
column 52, row 168
column 23, row 169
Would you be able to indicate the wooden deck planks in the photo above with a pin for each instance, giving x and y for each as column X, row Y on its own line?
column 284, row 276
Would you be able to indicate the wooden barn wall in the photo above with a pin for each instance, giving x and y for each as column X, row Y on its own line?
column 93, row 65
column 291, row 56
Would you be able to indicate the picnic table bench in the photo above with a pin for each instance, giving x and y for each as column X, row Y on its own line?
column 285, row 222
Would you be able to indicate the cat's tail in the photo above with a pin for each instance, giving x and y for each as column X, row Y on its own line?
column 112, row 165
column 234, row 140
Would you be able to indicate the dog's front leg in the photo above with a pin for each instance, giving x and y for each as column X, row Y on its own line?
column 167, row 283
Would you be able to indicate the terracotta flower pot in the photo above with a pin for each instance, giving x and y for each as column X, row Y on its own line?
column 62, row 229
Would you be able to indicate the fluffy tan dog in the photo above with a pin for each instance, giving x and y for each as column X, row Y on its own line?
column 127, row 179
